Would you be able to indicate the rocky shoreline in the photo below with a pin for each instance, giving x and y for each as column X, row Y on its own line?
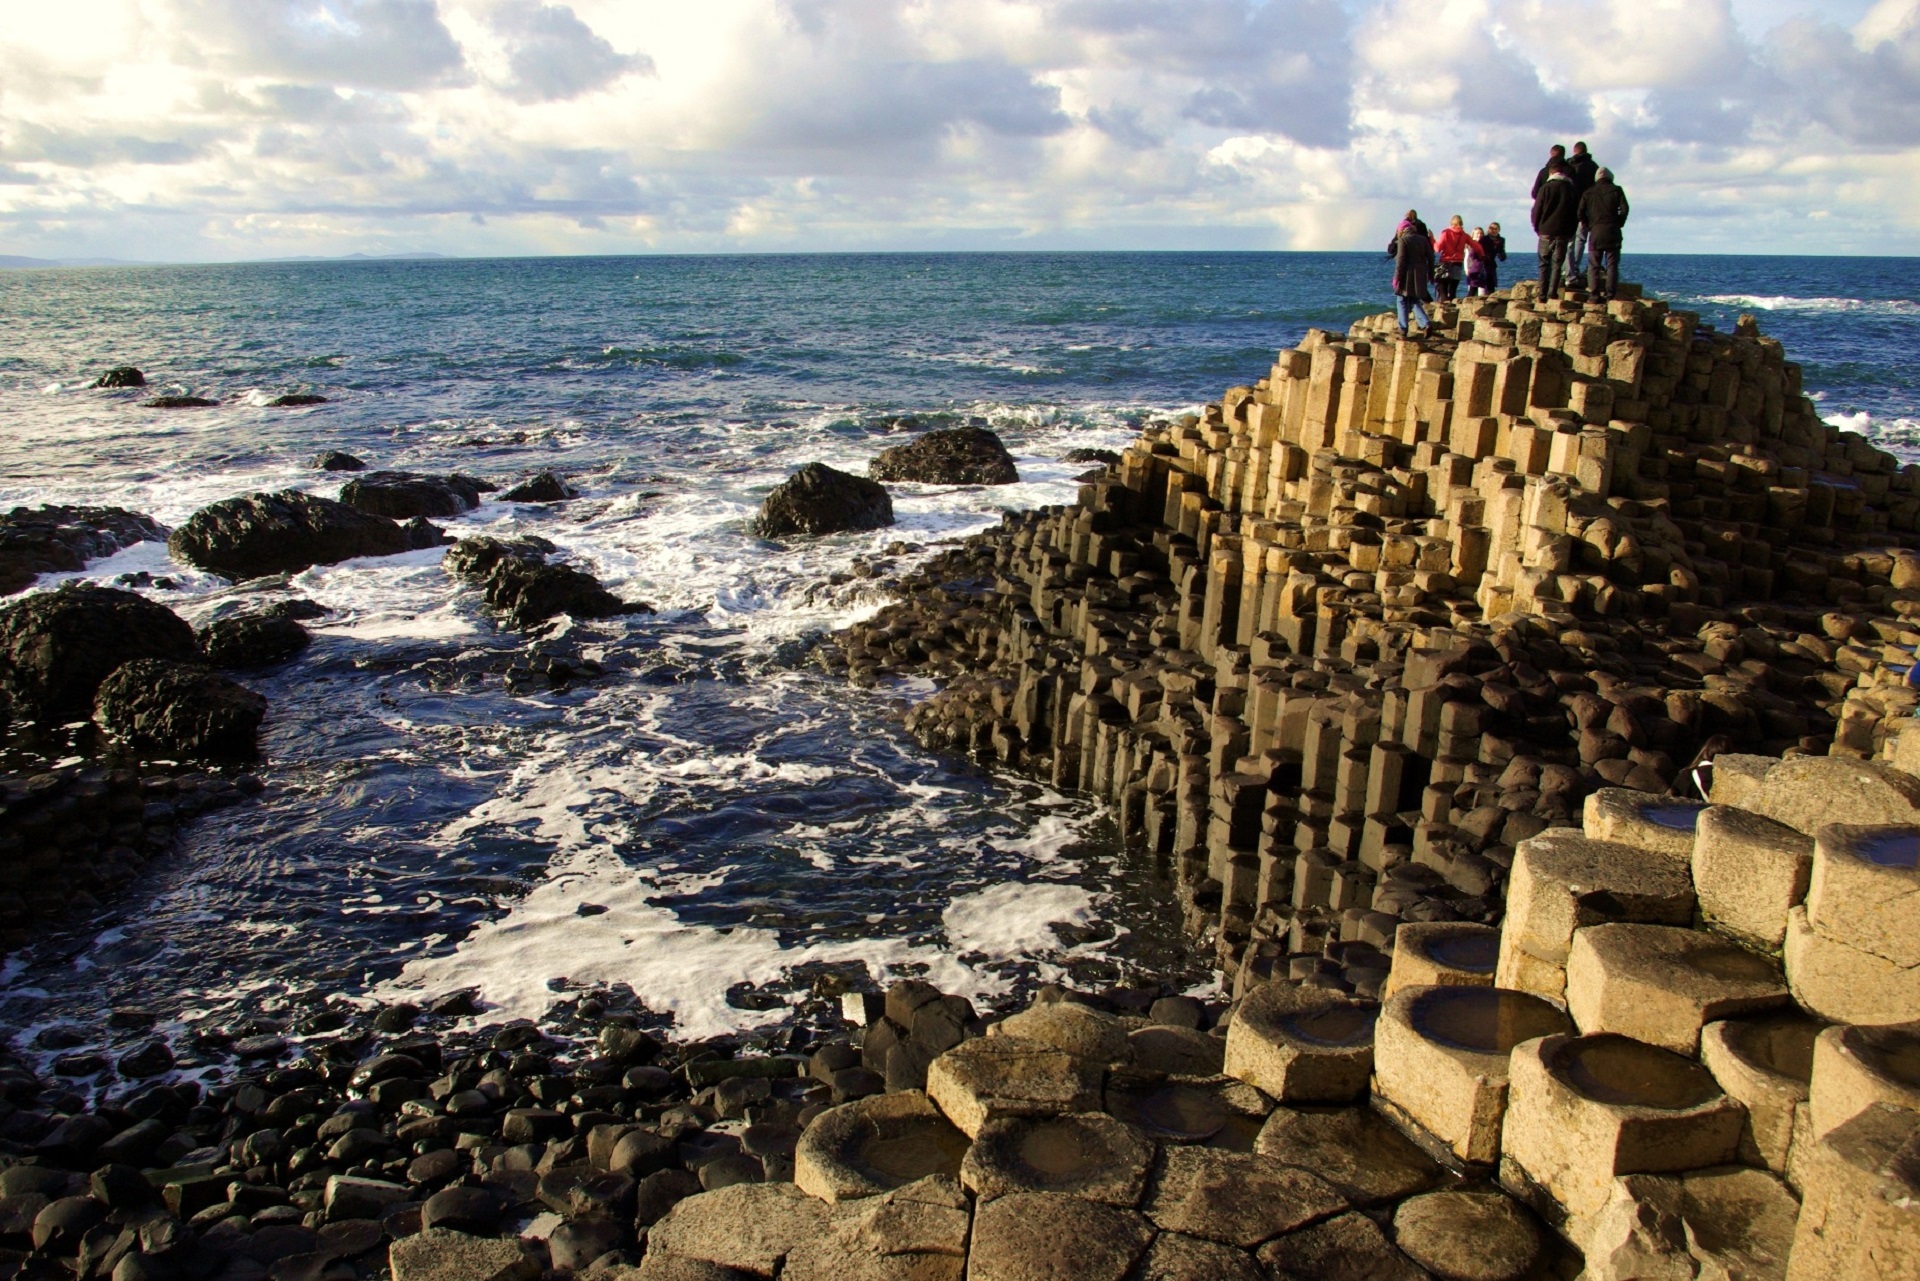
column 1521, row 713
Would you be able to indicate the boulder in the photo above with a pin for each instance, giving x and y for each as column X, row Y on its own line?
column 120, row 376
column 437, row 1254
column 401, row 495
column 543, row 488
column 524, row 589
column 1105, row 456
column 819, row 500
column 167, row 709
column 749, row 1226
column 50, row 540
column 284, row 533
column 295, row 400
column 335, row 460
column 252, row 640
column 958, row 456
column 57, row 647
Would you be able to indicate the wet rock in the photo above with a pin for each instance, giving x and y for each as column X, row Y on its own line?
column 52, row 540
column 523, row 588
column 56, row 648
column 58, row 1228
column 1106, row 456
column 252, row 640
column 335, row 460
column 819, row 500
column 401, row 495
column 543, row 488
column 120, row 376
column 295, row 400
column 173, row 710
column 284, row 533
column 957, row 456
column 177, row 402
column 150, row 1059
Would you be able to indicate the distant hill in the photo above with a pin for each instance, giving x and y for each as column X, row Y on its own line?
column 14, row 260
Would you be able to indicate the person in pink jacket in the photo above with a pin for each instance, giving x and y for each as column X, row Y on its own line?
column 1450, row 253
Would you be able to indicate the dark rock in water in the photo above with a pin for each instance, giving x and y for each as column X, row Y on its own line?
column 282, row 533
column 819, row 500
column 402, row 494
column 524, row 589
column 151, row 1059
column 162, row 708
column 299, row 609
column 49, row 540
column 422, row 533
column 295, row 399
column 120, row 376
column 960, row 456
column 544, row 488
column 252, row 640
column 57, row 647
column 177, row 402
column 1107, row 456
column 336, row 460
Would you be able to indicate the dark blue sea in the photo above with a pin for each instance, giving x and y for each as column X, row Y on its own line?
column 748, row 823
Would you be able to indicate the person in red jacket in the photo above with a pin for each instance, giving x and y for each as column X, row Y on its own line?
column 1450, row 254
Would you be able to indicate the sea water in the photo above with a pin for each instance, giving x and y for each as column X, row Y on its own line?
column 717, row 824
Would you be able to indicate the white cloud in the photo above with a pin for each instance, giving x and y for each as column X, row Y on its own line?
column 231, row 128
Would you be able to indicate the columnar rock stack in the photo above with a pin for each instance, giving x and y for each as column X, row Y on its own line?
column 1337, row 647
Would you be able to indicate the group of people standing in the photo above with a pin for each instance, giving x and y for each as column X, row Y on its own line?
column 1578, row 212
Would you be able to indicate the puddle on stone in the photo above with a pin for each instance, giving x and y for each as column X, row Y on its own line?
column 932, row 1148
column 1483, row 1020
column 1724, row 961
column 1676, row 816
column 1341, row 1026
column 1609, row 1068
column 1890, row 849
column 1475, row 953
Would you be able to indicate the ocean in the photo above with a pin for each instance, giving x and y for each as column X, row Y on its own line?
column 716, row 823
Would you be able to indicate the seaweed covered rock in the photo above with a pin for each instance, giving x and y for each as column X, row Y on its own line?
column 284, row 533
column 162, row 708
column 958, row 456
column 524, row 589
column 403, row 494
column 49, row 540
column 820, row 500
column 56, row 648
column 252, row 640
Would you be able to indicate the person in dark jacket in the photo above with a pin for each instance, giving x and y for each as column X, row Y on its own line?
column 1556, row 213
column 1557, row 155
column 1584, row 170
column 1412, row 252
column 1603, row 211
column 1494, row 247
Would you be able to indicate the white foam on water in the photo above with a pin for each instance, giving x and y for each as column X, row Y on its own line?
column 1781, row 302
column 1898, row 436
column 1015, row 919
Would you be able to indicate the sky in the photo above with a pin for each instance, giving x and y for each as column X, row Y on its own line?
column 218, row 130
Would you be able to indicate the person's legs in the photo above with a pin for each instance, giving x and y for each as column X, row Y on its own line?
column 1613, row 271
column 1553, row 257
column 1576, row 248
column 1425, row 321
column 1400, row 310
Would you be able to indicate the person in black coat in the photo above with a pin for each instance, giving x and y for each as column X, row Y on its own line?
column 1556, row 214
column 1412, row 252
column 1603, row 211
column 1556, row 155
column 1585, row 169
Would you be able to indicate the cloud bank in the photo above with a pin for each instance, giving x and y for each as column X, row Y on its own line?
column 222, row 129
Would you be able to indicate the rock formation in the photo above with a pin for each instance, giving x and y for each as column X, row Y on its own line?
column 51, row 540
column 56, row 647
column 819, row 500
column 402, row 495
column 956, row 456
column 284, row 533
column 525, row 590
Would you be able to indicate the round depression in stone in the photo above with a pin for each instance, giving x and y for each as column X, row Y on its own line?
column 1609, row 1068
column 1086, row 1154
column 1779, row 1043
column 1337, row 1026
column 1676, row 816
column 1475, row 952
column 1183, row 1113
column 1484, row 1020
column 1725, row 961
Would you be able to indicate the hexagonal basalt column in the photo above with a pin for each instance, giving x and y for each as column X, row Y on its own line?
column 1215, row 1110
column 1658, row 824
column 1765, row 1063
column 1865, row 890
column 1442, row 954
column 1301, row 1044
column 1809, row 792
column 1562, row 882
column 875, row 1145
column 1441, row 1056
column 1844, row 983
column 1661, row 985
column 1857, row 1067
column 1581, row 1110
column 1749, row 872
column 1860, row 1201
column 1086, row 1154
column 993, row 1076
